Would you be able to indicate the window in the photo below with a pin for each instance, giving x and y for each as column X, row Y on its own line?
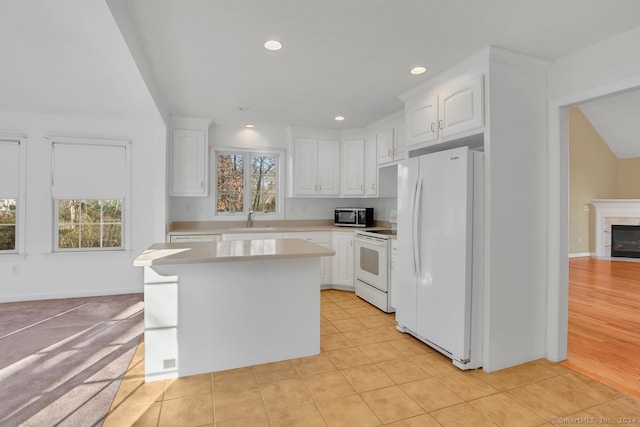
column 11, row 193
column 7, row 225
column 248, row 181
column 90, row 192
column 89, row 224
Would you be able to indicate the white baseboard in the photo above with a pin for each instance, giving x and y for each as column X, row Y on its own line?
column 580, row 255
column 338, row 287
column 70, row 294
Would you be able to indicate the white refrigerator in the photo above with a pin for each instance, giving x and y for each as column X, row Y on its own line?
column 439, row 289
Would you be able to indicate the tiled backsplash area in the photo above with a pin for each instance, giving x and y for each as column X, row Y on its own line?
column 202, row 209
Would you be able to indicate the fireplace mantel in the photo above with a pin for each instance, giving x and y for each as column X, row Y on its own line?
column 612, row 208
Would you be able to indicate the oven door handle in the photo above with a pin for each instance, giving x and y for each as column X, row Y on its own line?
column 415, row 235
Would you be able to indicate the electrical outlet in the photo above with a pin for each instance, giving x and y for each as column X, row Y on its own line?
column 15, row 268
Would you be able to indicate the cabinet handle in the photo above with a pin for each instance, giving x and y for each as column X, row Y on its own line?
column 389, row 153
column 361, row 187
column 315, row 187
column 433, row 127
column 201, row 184
column 395, row 151
column 441, row 123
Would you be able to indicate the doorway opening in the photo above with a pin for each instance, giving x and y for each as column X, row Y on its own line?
column 603, row 328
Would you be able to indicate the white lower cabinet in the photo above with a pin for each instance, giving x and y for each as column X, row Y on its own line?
column 343, row 259
column 394, row 273
column 322, row 239
column 337, row 270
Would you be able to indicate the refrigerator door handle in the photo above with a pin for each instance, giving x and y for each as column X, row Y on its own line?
column 417, row 200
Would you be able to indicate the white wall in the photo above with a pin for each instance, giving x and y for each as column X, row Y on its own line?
column 610, row 66
column 612, row 60
column 41, row 274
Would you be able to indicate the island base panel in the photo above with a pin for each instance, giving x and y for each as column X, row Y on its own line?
column 236, row 314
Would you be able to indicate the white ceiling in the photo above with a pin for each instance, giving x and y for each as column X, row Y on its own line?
column 617, row 119
column 343, row 57
column 67, row 57
column 204, row 58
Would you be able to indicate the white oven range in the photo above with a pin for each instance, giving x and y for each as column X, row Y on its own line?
column 373, row 267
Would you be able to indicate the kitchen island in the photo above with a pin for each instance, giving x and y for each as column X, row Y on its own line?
column 211, row 306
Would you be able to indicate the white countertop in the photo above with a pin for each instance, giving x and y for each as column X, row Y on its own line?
column 232, row 250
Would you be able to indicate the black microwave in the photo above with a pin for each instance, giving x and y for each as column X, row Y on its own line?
column 353, row 217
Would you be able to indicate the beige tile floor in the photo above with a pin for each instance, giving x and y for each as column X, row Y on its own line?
column 369, row 374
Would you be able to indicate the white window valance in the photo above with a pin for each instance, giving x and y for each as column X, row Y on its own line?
column 9, row 169
column 89, row 169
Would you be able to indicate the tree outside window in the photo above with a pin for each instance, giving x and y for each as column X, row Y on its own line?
column 7, row 224
column 89, row 224
column 240, row 189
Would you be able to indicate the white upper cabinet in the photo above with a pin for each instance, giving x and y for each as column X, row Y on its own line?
column 451, row 110
column 461, row 107
column 316, row 167
column 391, row 145
column 385, row 147
column 306, row 166
column 328, row 167
column 189, row 163
column 371, row 167
column 353, row 167
column 422, row 120
column 400, row 143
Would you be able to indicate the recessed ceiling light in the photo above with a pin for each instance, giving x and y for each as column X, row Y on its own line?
column 250, row 125
column 418, row 70
column 339, row 118
column 273, row 45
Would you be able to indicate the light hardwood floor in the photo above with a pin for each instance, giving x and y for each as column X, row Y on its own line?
column 604, row 322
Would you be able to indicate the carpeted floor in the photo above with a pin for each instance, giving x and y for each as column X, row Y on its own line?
column 61, row 361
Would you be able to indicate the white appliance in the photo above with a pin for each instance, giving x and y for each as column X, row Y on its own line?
column 373, row 267
column 439, row 290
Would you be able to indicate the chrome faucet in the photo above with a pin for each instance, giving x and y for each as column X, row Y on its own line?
column 249, row 221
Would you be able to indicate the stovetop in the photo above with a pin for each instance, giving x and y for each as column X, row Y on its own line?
column 385, row 232
column 380, row 234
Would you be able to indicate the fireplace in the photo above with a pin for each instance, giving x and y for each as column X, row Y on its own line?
column 611, row 212
column 625, row 241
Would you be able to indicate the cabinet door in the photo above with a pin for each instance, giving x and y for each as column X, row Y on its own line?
column 371, row 167
column 399, row 147
column 328, row 167
column 461, row 107
column 305, row 166
column 343, row 260
column 394, row 273
column 322, row 239
column 189, row 163
column 385, row 147
column 422, row 121
column 353, row 167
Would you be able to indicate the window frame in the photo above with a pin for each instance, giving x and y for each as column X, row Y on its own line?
column 20, row 232
column 125, row 220
column 247, row 153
